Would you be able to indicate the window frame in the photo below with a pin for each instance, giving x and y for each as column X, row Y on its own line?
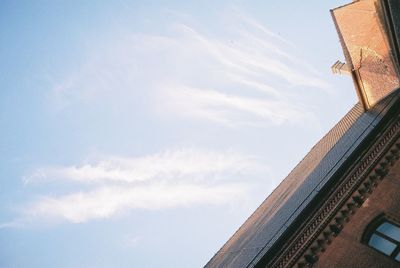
column 372, row 229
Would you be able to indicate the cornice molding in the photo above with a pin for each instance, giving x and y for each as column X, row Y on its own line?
column 303, row 249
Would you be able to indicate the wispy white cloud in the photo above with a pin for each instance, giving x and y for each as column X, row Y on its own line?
column 105, row 202
column 232, row 63
column 254, row 24
column 254, row 54
column 231, row 109
column 170, row 179
column 172, row 164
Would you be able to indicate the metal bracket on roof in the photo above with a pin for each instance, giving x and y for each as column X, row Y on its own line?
column 340, row 68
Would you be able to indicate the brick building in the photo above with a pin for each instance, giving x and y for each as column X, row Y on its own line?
column 340, row 206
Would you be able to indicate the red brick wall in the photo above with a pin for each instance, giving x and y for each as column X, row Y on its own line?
column 347, row 250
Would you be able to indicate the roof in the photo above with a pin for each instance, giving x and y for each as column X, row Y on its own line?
column 273, row 217
column 367, row 31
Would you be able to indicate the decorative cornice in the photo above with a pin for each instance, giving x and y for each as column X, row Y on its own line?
column 359, row 181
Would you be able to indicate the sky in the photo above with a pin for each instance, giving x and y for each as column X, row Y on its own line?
column 144, row 133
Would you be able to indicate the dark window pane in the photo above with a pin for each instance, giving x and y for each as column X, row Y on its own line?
column 381, row 244
column 390, row 230
column 398, row 257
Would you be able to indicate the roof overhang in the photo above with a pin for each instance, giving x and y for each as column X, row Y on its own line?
column 369, row 32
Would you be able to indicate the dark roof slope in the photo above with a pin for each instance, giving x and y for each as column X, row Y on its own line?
column 263, row 228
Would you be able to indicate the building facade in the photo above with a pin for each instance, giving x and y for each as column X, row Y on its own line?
column 340, row 206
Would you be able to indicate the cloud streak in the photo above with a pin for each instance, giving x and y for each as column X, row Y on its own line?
column 171, row 164
column 241, row 65
column 105, row 202
column 118, row 185
column 254, row 54
column 231, row 109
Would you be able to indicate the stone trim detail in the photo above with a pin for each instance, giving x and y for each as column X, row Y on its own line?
column 327, row 222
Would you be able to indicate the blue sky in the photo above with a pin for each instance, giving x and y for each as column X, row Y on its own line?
column 143, row 134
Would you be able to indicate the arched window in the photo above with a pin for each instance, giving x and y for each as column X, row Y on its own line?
column 384, row 236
